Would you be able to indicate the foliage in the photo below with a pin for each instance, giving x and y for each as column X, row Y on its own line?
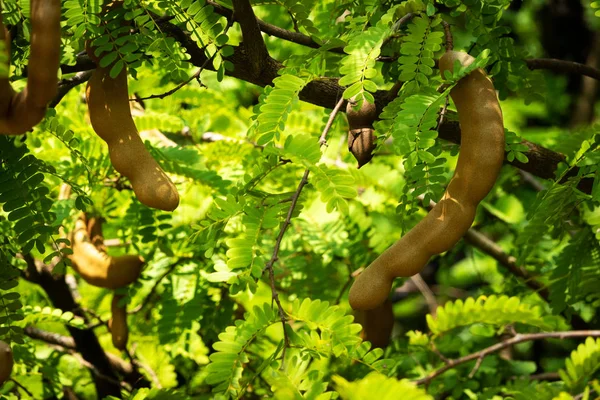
column 244, row 289
column 491, row 310
column 583, row 363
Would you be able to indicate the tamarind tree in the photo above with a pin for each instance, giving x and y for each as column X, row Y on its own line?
column 182, row 215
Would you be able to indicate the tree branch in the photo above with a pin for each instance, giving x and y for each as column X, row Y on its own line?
column 565, row 67
column 85, row 340
column 252, row 37
column 65, row 85
column 562, row 66
column 426, row 292
column 274, row 30
column 325, row 92
column 518, row 338
column 124, row 368
column 491, row 248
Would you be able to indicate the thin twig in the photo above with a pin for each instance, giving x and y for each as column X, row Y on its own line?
column 581, row 395
column 442, row 357
column 543, row 376
column 336, row 109
column 448, row 34
column 396, row 27
column 476, row 367
column 405, row 18
column 530, row 179
column 275, row 257
column 443, row 113
column 286, row 223
column 23, row 388
column 351, row 276
column 427, row 293
column 137, row 363
column 65, row 85
column 195, row 75
column 491, row 248
column 565, row 67
column 155, row 286
column 519, row 338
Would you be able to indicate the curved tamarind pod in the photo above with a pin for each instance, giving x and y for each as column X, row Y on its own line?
column 94, row 231
column 19, row 112
column 118, row 323
column 98, row 268
column 6, row 362
column 110, row 115
column 479, row 163
column 361, row 140
column 377, row 324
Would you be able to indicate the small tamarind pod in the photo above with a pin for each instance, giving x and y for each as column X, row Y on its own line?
column 98, row 268
column 377, row 324
column 361, row 138
column 479, row 163
column 118, row 323
column 6, row 361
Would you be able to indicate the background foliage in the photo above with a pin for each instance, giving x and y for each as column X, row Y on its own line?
column 516, row 319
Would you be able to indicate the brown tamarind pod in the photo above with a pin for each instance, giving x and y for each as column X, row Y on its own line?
column 361, row 138
column 94, row 231
column 6, row 362
column 110, row 115
column 118, row 323
column 19, row 112
column 479, row 163
column 98, row 268
column 377, row 324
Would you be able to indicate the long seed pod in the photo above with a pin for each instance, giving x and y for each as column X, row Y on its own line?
column 479, row 163
column 19, row 112
column 98, row 268
column 110, row 115
column 361, row 138
column 118, row 323
column 6, row 362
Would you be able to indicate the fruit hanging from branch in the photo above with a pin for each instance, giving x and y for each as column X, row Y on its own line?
column 98, row 268
column 479, row 163
column 110, row 115
column 6, row 361
column 19, row 112
column 361, row 137
column 118, row 323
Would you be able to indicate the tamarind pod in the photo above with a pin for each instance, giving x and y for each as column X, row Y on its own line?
column 110, row 115
column 42, row 80
column 479, row 163
column 361, row 140
column 118, row 323
column 6, row 90
column 94, row 231
column 98, row 268
column 6, row 362
column 28, row 107
column 361, row 143
column 377, row 324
